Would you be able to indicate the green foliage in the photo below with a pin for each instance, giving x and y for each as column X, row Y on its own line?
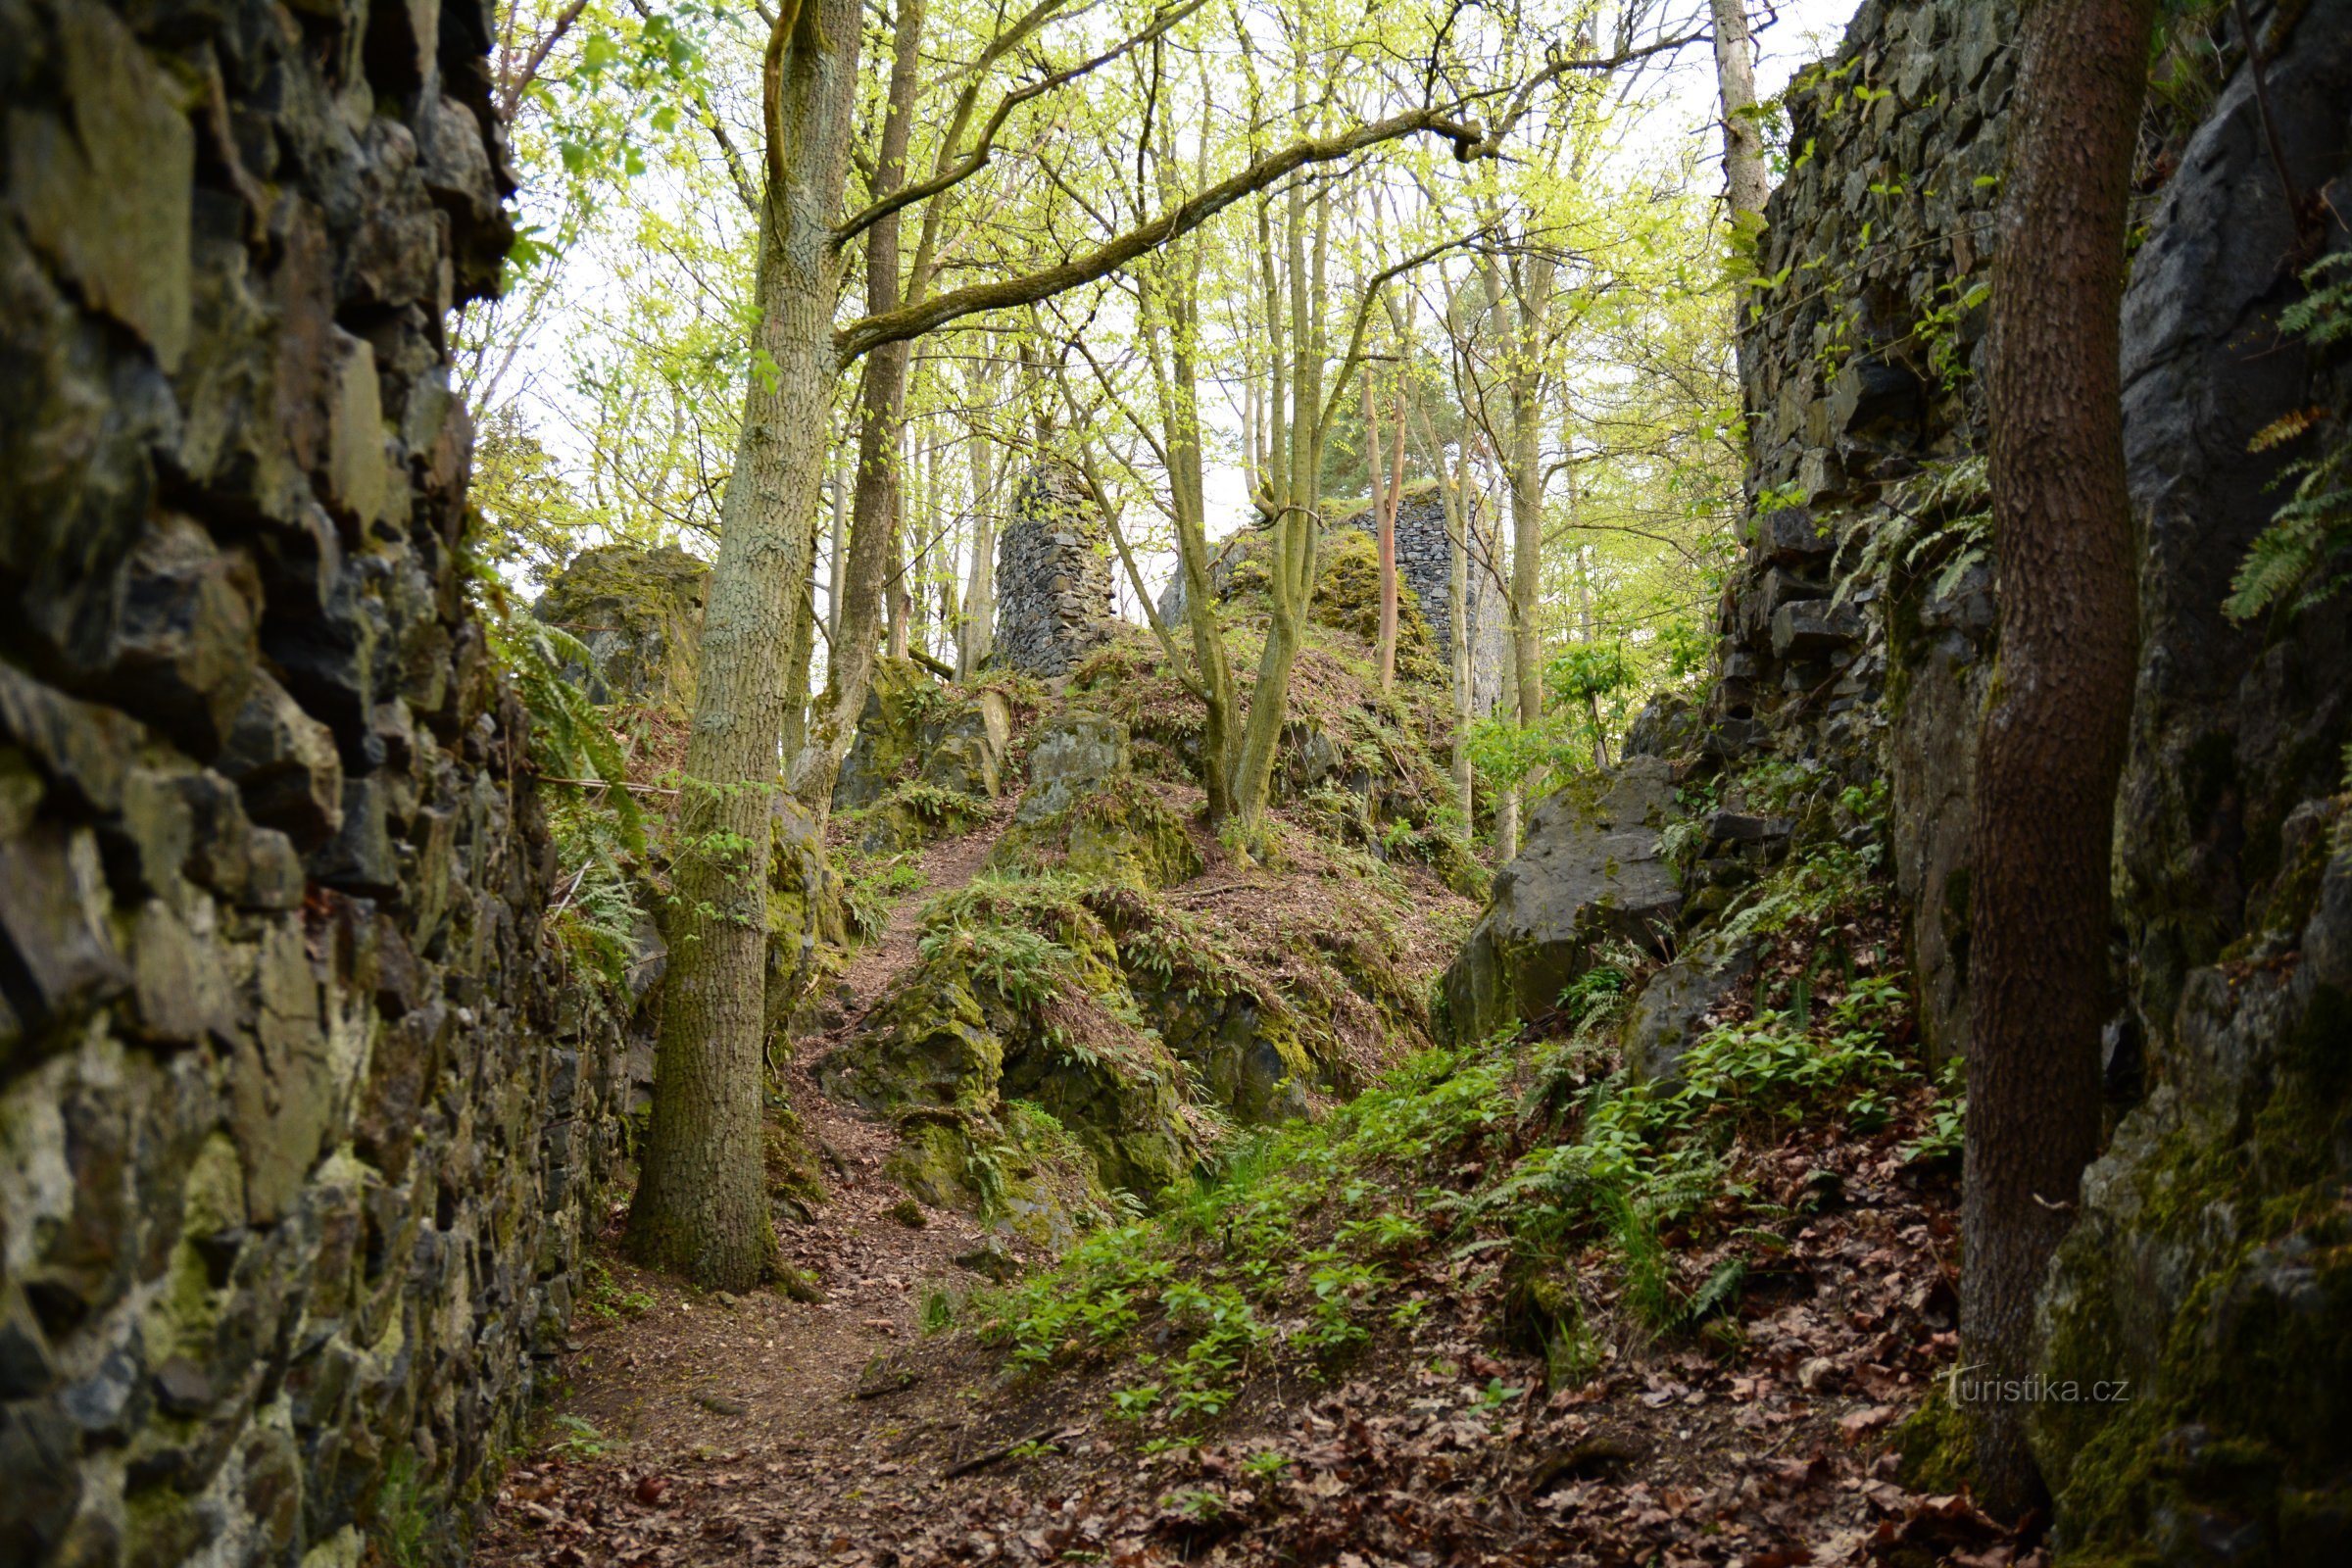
column 580, row 1438
column 404, row 1518
column 1938, row 525
column 2301, row 559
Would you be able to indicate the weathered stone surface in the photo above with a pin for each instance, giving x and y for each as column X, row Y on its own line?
column 1053, row 594
column 294, row 1160
column 640, row 614
column 1590, row 868
column 1668, row 1014
column 889, row 740
column 285, row 763
column 1068, row 756
column 102, row 180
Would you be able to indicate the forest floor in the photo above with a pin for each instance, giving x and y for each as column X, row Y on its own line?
column 710, row 1429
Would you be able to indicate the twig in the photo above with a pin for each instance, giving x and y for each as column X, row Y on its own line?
column 2270, row 125
column 607, row 784
column 989, row 1456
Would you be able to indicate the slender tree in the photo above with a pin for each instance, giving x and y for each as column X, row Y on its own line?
column 1744, row 184
column 701, row 1207
column 2053, row 739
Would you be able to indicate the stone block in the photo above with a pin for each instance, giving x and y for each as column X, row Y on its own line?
column 185, row 644
column 54, row 916
column 1591, row 870
column 285, row 763
column 105, row 190
column 1814, row 627
column 1070, row 755
column 1793, row 537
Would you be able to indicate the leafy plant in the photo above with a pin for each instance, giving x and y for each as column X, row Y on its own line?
column 2288, row 565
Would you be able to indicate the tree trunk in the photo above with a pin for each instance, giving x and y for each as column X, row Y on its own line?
column 701, row 1207
column 881, row 399
column 1744, row 184
column 1385, row 501
column 975, row 631
column 1527, row 484
column 2053, row 739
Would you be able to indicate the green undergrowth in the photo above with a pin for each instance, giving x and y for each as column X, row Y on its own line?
column 1531, row 1178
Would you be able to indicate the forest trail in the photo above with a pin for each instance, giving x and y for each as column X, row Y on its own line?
column 702, row 1429
column 664, row 1380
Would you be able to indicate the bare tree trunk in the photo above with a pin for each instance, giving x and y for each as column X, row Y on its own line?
column 2053, row 740
column 701, row 1206
column 976, row 631
column 1742, row 138
column 1385, row 500
column 1534, row 298
column 881, row 399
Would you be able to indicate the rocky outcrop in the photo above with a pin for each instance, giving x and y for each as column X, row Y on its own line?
column 1349, row 597
column 1086, row 813
column 1592, row 870
column 302, row 1122
column 1054, row 593
column 914, row 730
column 1859, row 638
column 639, row 612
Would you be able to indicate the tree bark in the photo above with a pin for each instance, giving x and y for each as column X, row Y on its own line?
column 1745, row 183
column 875, row 543
column 976, row 630
column 701, row 1207
column 2053, row 739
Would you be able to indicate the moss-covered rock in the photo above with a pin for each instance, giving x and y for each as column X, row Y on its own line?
column 914, row 730
column 2211, row 1277
column 808, row 921
column 1118, row 830
column 929, row 1045
column 889, row 740
column 640, row 613
column 911, row 816
column 1021, row 1171
column 1020, row 996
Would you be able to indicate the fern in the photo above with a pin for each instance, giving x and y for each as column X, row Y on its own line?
column 569, row 737
column 2287, row 564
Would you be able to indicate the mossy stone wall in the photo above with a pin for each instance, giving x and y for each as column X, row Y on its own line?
column 301, row 1126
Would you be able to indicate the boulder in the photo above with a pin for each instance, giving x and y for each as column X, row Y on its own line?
column 640, row 614
column 1072, row 753
column 889, row 739
column 1665, row 1016
column 1591, row 870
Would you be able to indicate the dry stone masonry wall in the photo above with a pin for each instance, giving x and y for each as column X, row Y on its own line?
column 300, row 1125
column 1054, row 590
column 1425, row 563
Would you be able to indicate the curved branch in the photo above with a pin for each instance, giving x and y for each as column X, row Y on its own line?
column 861, row 337
column 947, row 177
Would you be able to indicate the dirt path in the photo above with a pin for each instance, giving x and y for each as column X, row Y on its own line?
column 666, row 1378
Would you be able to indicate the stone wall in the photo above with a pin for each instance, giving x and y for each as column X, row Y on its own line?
column 1053, row 594
column 1425, row 565
column 1425, row 561
column 1858, row 631
column 300, row 1125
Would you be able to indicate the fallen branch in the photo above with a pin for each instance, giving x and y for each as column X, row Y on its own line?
column 987, row 1457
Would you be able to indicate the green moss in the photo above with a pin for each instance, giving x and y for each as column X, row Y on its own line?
column 1936, row 1446
column 2220, row 1282
column 1120, row 832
